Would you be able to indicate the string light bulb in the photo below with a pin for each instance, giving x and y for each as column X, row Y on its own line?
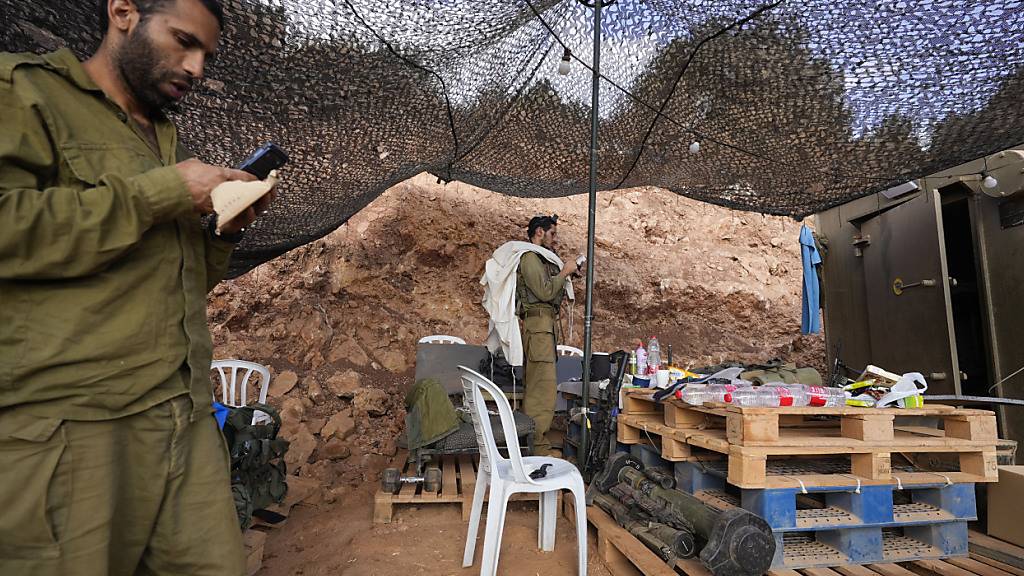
column 694, row 147
column 989, row 182
column 563, row 64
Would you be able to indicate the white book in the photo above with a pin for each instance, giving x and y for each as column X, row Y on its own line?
column 233, row 197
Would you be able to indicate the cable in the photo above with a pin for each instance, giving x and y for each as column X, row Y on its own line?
column 997, row 384
column 698, row 134
column 499, row 117
column 444, row 87
column 963, row 398
column 679, row 76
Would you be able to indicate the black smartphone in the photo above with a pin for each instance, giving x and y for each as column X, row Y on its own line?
column 268, row 157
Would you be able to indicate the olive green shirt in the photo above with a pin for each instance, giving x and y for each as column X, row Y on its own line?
column 104, row 265
column 539, row 283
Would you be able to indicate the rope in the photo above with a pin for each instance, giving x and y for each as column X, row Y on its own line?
column 857, row 478
column 803, row 488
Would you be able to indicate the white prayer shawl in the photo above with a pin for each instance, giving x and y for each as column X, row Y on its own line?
column 499, row 281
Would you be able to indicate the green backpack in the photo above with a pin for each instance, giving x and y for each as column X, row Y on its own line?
column 257, row 462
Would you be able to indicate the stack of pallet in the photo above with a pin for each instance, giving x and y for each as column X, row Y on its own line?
column 837, row 485
column 624, row 555
column 458, row 482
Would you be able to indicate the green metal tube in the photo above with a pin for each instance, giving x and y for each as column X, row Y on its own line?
column 700, row 515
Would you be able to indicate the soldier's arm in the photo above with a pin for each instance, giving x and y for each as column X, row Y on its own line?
column 217, row 251
column 543, row 286
column 61, row 232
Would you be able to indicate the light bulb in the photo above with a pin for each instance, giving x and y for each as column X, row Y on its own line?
column 990, row 182
column 694, row 147
column 563, row 66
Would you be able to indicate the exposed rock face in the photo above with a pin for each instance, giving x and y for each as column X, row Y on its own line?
column 283, row 384
column 340, row 426
column 338, row 319
column 344, row 385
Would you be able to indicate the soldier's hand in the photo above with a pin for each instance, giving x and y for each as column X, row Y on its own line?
column 201, row 178
column 246, row 218
column 568, row 268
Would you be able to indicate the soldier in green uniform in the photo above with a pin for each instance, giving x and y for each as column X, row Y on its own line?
column 110, row 459
column 540, row 286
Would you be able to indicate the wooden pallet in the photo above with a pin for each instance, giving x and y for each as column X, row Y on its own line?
column 868, row 437
column 802, row 425
column 1011, row 557
column 458, row 481
column 870, row 463
column 624, row 555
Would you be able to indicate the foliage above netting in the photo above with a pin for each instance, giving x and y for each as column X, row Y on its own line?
column 796, row 106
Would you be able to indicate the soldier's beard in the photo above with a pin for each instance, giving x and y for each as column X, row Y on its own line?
column 143, row 73
column 548, row 241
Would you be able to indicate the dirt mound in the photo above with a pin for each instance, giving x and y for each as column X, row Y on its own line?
column 344, row 313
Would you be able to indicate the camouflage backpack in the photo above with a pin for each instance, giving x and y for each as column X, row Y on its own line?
column 257, row 461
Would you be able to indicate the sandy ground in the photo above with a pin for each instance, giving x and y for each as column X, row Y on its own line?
column 340, row 538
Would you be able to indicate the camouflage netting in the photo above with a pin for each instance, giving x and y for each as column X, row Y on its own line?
column 797, row 106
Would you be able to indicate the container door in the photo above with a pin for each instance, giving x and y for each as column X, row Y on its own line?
column 907, row 289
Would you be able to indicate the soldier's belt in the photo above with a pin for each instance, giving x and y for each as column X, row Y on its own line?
column 548, row 312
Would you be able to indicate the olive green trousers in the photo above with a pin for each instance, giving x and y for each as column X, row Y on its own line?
column 540, row 378
column 146, row 494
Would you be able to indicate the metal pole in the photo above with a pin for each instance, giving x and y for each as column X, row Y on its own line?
column 591, row 221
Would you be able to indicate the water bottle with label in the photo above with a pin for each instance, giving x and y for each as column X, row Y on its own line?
column 653, row 356
column 779, row 395
column 641, row 360
column 698, row 394
column 825, row 396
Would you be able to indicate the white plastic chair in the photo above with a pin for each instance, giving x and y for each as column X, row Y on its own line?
column 565, row 350
column 508, row 476
column 441, row 339
column 234, row 388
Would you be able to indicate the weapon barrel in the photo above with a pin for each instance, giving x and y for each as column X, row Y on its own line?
column 739, row 543
column 663, row 477
column 700, row 515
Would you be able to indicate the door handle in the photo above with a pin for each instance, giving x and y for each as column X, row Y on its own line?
column 898, row 286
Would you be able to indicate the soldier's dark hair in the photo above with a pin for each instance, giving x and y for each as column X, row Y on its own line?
column 148, row 7
column 541, row 222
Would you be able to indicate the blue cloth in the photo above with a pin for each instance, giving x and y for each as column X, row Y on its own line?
column 810, row 322
column 220, row 412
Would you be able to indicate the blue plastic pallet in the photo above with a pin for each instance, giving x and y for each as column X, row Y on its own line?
column 845, row 506
column 869, row 545
column 852, row 523
column 844, row 524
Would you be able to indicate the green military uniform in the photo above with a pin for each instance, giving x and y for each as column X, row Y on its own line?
column 539, row 296
column 110, row 459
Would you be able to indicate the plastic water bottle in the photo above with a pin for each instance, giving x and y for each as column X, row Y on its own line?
column 653, row 356
column 771, row 396
column 817, row 396
column 698, row 394
column 641, row 360
column 825, row 396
